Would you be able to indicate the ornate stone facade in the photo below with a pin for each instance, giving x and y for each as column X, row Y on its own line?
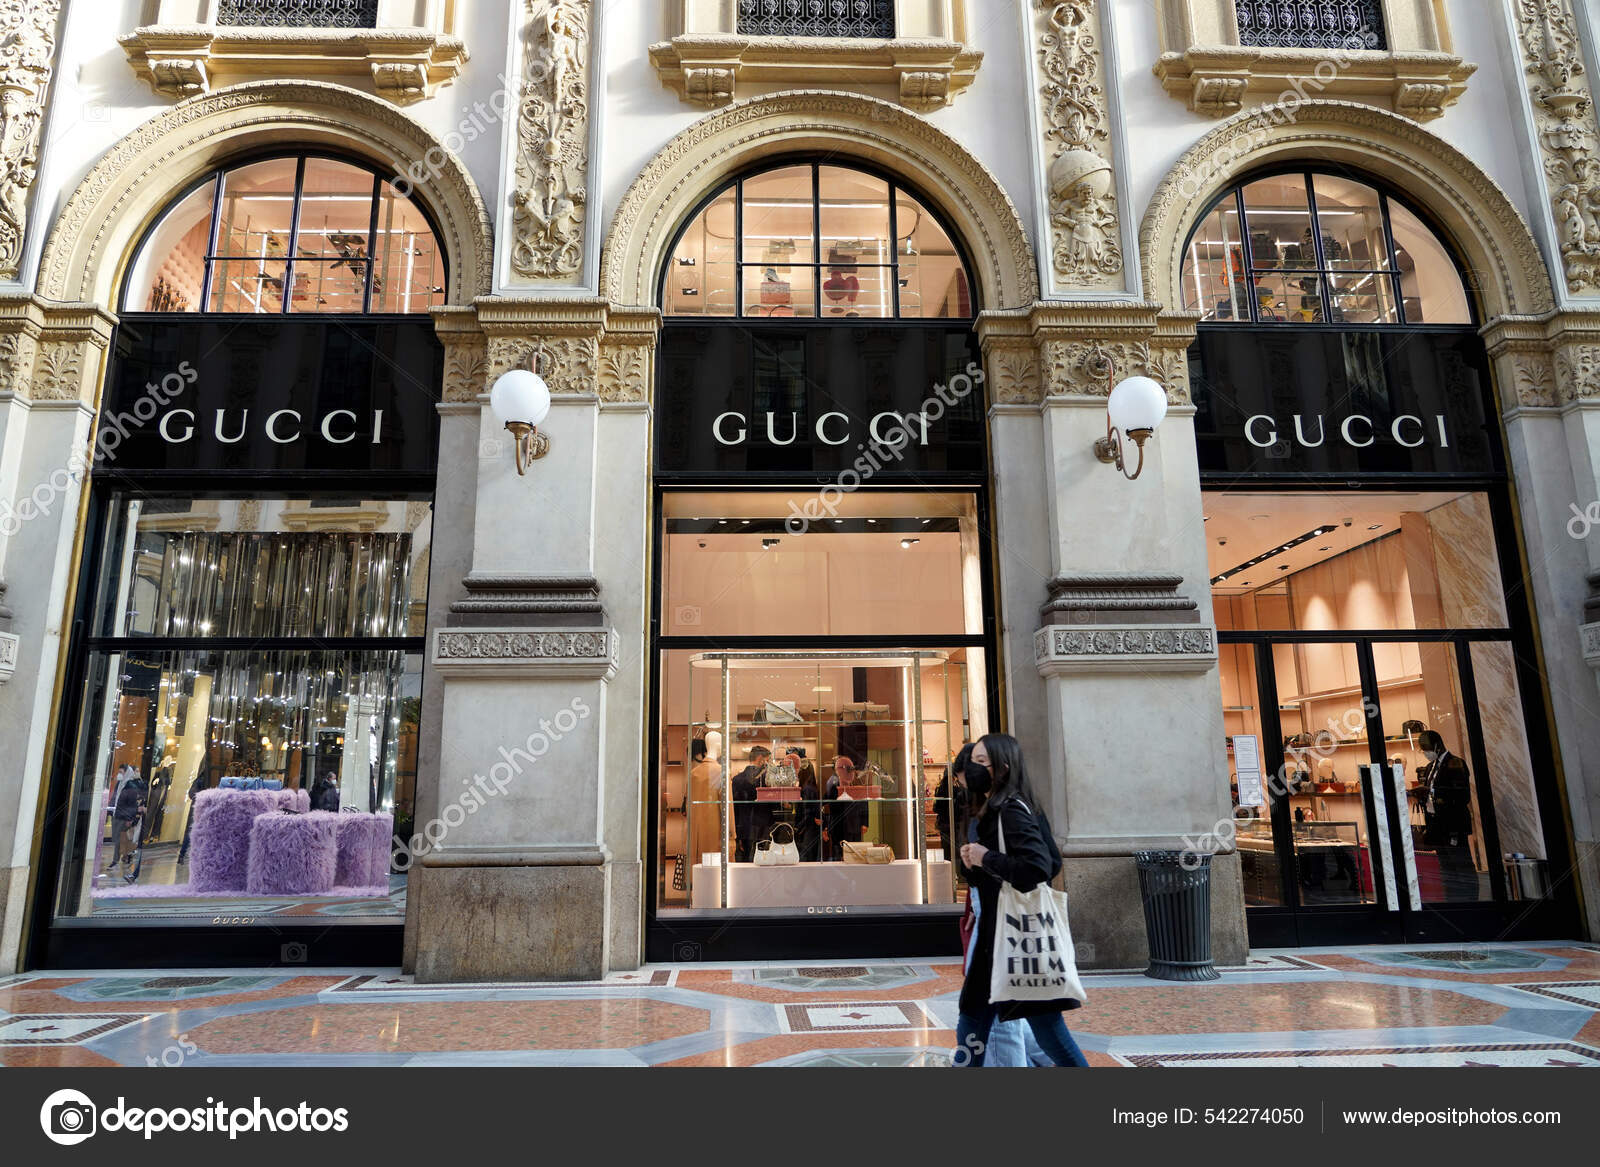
column 1086, row 251
column 28, row 37
column 551, row 198
column 1079, row 349
column 1178, row 648
column 1565, row 120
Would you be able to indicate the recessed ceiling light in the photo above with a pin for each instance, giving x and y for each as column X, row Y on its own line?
column 1376, row 527
column 1324, row 548
column 909, row 542
column 1258, row 518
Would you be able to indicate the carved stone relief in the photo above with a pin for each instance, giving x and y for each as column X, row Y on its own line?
column 27, row 51
column 1578, row 373
column 569, row 364
column 1564, row 117
column 550, row 201
column 625, row 372
column 16, row 363
column 466, row 372
column 1085, row 250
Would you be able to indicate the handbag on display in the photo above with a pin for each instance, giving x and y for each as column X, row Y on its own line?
column 771, row 853
column 867, row 852
column 877, row 777
column 1034, row 959
column 782, row 775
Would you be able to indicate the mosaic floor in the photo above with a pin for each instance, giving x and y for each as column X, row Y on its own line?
column 1484, row 1005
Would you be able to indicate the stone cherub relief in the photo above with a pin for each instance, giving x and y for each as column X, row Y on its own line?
column 27, row 44
column 550, row 200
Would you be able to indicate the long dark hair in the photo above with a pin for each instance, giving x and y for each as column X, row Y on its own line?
column 1010, row 774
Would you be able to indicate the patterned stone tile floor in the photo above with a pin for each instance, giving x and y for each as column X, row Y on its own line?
column 1489, row 1004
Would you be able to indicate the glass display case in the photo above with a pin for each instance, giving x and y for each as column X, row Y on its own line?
column 843, row 752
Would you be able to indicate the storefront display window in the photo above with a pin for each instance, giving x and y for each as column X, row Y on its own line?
column 291, row 234
column 829, row 744
column 248, row 652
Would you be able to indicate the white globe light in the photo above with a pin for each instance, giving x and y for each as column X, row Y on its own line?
column 520, row 396
column 1137, row 403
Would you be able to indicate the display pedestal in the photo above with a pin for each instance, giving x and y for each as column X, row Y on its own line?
column 817, row 885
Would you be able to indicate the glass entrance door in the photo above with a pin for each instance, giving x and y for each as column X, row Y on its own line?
column 1367, row 774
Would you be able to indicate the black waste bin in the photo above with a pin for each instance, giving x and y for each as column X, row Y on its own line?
column 1176, row 888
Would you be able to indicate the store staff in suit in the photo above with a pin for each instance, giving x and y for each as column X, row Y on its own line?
column 1447, row 816
column 751, row 820
column 808, row 824
column 844, row 818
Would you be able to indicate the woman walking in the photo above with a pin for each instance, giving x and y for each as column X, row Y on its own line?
column 1002, row 800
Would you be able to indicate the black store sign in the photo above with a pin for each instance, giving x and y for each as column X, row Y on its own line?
column 901, row 402
column 1271, row 401
column 301, row 396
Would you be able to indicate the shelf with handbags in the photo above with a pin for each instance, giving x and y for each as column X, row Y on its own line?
column 825, row 795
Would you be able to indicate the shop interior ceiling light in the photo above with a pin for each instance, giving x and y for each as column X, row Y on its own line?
column 1135, row 406
column 521, row 399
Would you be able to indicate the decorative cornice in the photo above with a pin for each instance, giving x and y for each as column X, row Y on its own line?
column 27, row 59
column 967, row 193
column 1059, row 650
column 1084, row 221
column 582, row 653
column 1217, row 80
column 550, row 202
column 138, row 173
column 1564, row 118
column 504, row 599
column 1134, row 597
column 1513, row 278
column 705, row 68
column 403, row 64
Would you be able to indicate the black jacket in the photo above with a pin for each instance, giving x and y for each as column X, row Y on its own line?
column 1450, row 783
column 324, row 795
column 1030, row 858
column 131, row 800
column 751, row 819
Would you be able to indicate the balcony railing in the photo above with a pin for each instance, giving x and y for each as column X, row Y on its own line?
column 299, row 13
column 845, row 18
column 1311, row 24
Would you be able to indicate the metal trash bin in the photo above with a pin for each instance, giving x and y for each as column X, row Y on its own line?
column 1176, row 889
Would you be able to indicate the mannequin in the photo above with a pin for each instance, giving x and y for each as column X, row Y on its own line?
column 705, row 788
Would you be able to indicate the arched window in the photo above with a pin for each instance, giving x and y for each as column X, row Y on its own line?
column 1313, row 248
column 298, row 233
column 820, row 242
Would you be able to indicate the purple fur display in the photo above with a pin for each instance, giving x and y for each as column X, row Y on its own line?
column 364, row 844
column 220, row 850
column 293, row 854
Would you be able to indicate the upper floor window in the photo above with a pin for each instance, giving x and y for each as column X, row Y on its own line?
column 299, row 13
column 292, row 234
column 1311, row 24
column 1309, row 248
column 815, row 241
column 851, row 18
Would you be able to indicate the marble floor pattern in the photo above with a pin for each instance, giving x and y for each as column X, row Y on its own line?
column 1474, row 1005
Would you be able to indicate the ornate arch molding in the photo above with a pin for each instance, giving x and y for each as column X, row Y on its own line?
column 1493, row 239
column 91, row 240
column 846, row 125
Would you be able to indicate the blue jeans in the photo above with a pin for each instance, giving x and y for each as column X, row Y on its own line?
column 1049, row 1030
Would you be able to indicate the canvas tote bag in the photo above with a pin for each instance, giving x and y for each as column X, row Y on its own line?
column 1033, row 953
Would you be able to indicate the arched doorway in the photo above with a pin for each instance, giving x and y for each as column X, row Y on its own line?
column 248, row 624
column 1390, row 763
column 822, row 628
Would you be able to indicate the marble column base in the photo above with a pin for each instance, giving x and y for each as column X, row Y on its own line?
column 1107, row 913
column 481, row 923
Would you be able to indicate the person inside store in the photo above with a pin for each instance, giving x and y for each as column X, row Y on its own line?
column 808, row 821
column 951, row 785
column 325, row 794
column 126, row 815
column 200, row 783
column 1447, row 816
column 705, row 796
column 1003, row 799
column 751, row 819
column 844, row 819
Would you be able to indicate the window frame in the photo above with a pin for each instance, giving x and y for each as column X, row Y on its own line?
column 215, row 178
column 735, row 183
column 1386, row 192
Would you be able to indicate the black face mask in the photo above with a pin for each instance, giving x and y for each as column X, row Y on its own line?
column 979, row 780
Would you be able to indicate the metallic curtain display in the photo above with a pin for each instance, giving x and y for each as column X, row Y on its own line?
column 851, row 18
column 300, row 13
column 323, row 584
column 1311, row 24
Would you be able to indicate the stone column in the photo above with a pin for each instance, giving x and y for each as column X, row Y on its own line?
column 51, row 358
column 1104, row 584
column 529, row 865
